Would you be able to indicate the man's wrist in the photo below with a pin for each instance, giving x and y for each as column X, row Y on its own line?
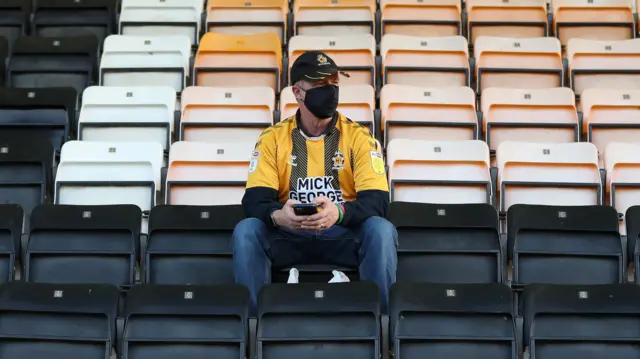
column 274, row 221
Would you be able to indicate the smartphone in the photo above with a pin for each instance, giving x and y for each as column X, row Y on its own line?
column 305, row 209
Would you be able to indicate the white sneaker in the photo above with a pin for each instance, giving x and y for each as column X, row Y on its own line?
column 293, row 276
column 339, row 277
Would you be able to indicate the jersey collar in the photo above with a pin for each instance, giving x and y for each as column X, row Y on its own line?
column 330, row 129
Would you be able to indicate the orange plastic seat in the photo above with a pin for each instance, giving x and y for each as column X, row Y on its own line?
column 220, row 115
column 239, row 17
column 425, row 61
column 622, row 162
column 225, row 60
column 421, row 113
column 514, row 63
column 354, row 54
column 334, row 17
column 606, row 20
column 518, row 19
column 419, row 18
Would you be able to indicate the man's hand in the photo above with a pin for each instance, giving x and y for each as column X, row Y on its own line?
column 285, row 217
column 323, row 219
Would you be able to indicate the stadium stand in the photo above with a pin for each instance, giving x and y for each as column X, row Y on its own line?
column 511, row 62
column 232, row 114
column 128, row 114
column 566, row 320
column 307, row 321
column 207, row 173
column 38, row 62
column 448, row 243
column 14, row 19
column 439, row 171
column 453, row 320
column 425, row 61
column 565, row 245
column 47, row 111
column 83, row 244
column 42, row 320
column 522, row 19
column 241, row 17
column 405, row 17
column 192, row 321
column 191, row 244
column 11, row 221
column 428, row 113
column 64, row 18
column 334, row 18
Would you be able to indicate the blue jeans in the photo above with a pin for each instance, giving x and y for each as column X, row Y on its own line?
column 372, row 248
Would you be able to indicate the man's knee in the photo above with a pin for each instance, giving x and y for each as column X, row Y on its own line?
column 381, row 232
column 247, row 234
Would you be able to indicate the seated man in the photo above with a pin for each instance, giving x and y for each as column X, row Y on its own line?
column 316, row 156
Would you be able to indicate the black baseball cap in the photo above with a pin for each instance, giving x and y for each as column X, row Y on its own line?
column 313, row 66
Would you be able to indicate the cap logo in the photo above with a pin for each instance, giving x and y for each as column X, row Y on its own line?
column 322, row 60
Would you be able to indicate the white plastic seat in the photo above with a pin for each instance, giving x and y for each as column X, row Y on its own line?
column 162, row 18
column 127, row 114
column 145, row 61
column 622, row 161
column 439, row 171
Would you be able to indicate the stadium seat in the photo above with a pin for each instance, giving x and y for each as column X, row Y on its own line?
column 603, row 64
column 425, row 61
column 57, row 321
column 447, row 243
column 512, row 62
column 632, row 231
column 162, row 18
column 405, row 17
column 38, row 62
column 564, row 174
column 83, row 244
column 60, row 18
column 532, row 115
column 565, row 245
column 128, row 114
column 225, row 60
column 218, row 114
column 595, row 19
column 354, row 54
column 11, row 221
column 521, row 19
column 207, row 173
column 164, row 322
column 583, row 320
column 4, row 54
column 334, row 18
column 48, row 111
column 310, row 321
column 622, row 162
column 357, row 102
column 428, row 113
column 14, row 19
column 145, row 61
column 241, row 17
column 452, row 321
column 445, row 172
column 191, row 244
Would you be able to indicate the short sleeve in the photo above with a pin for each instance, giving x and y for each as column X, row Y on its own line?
column 263, row 167
column 369, row 170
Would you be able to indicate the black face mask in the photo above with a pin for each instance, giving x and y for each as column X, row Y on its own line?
column 322, row 102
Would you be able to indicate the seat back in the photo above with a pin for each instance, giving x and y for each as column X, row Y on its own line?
column 240, row 17
column 622, row 162
column 428, row 113
column 439, row 171
column 330, row 18
column 435, row 18
column 11, row 221
column 521, row 19
column 425, row 61
column 191, row 244
column 511, row 62
column 319, row 313
column 128, row 114
column 4, row 54
column 559, row 244
column 15, row 15
column 64, row 18
column 145, row 61
column 83, row 244
column 218, row 114
column 207, row 173
column 548, row 174
column 354, row 53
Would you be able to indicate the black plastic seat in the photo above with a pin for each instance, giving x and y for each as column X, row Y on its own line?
column 4, row 54
column 586, row 321
column 632, row 223
column 11, row 219
column 179, row 321
column 83, row 244
column 38, row 62
column 49, row 111
column 57, row 321
column 319, row 321
column 14, row 19
column 62, row 18
column 565, row 245
column 191, row 244
column 447, row 243
column 464, row 321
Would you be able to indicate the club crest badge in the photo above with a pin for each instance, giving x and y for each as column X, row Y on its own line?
column 338, row 161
